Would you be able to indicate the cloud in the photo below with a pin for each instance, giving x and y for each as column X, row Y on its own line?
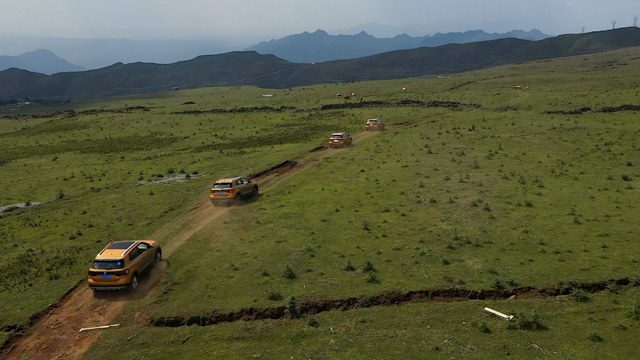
column 259, row 19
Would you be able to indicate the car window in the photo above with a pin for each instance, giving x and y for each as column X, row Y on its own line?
column 246, row 181
column 221, row 185
column 108, row 264
column 135, row 253
column 239, row 182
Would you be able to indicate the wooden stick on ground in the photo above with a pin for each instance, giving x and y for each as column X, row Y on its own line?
column 99, row 327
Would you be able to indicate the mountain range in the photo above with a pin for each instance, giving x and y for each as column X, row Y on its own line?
column 269, row 71
column 320, row 46
column 301, row 48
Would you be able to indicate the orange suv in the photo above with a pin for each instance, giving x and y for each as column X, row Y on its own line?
column 121, row 263
column 375, row 124
column 340, row 139
column 232, row 189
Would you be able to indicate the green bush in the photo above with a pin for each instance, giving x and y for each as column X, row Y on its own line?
column 524, row 321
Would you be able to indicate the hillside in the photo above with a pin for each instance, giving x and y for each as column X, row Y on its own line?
column 320, row 46
column 268, row 71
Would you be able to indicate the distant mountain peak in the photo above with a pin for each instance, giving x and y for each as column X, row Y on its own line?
column 40, row 61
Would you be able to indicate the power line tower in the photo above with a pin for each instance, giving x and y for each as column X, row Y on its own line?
column 613, row 24
column 635, row 21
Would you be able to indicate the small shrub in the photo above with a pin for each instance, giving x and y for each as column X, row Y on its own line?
column 292, row 308
column 524, row 321
column 634, row 313
column 274, row 295
column 484, row 328
column 368, row 267
column 313, row 322
column 498, row 285
column 595, row 337
column 627, row 177
column 288, row 273
column 349, row 267
column 578, row 295
column 309, row 250
column 60, row 195
column 365, row 225
column 373, row 278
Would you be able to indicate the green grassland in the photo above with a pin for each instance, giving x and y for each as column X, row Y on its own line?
column 437, row 330
column 496, row 194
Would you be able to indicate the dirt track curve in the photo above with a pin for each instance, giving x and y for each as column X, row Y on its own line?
column 55, row 335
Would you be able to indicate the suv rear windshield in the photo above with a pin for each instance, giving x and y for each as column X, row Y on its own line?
column 221, row 185
column 108, row 264
column 336, row 136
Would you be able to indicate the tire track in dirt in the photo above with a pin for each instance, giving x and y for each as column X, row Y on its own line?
column 55, row 334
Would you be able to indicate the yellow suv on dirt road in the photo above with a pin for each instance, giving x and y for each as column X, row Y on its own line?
column 340, row 139
column 375, row 124
column 232, row 189
column 121, row 263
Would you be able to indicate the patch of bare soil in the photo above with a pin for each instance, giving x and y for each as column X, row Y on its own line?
column 54, row 333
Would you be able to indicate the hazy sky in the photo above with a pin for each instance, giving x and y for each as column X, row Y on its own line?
column 264, row 20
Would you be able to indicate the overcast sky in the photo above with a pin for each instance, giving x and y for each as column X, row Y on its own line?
column 264, row 20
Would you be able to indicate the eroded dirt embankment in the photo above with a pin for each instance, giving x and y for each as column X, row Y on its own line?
column 310, row 306
column 587, row 109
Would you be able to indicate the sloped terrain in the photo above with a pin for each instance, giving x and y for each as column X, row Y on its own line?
column 268, row 71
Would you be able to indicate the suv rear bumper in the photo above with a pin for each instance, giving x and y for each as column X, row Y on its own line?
column 108, row 287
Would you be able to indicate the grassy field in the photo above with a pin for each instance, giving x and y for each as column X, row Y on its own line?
column 501, row 193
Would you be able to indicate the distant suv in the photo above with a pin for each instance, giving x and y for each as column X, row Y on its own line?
column 121, row 263
column 340, row 139
column 375, row 124
column 232, row 189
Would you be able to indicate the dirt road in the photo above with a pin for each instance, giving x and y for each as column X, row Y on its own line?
column 56, row 335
